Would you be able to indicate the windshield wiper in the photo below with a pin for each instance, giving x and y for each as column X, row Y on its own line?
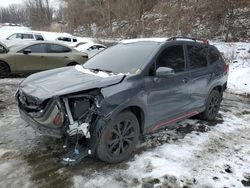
column 102, row 70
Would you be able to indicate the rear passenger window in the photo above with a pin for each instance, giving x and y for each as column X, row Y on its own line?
column 213, row 56
column 172, row 57
column 55, row 48
column 197, row 56
column 27, row 36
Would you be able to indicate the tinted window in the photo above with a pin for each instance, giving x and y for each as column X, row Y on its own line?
column 213, row 56
column 74, row 40
column 15, row 36
column 55, row 48
column 65, row 39
column 27, row 36
column 39, row 37
column 122, row 58
column 37, row 48
column 100, row 47
column 172, row 57
column 197, row 56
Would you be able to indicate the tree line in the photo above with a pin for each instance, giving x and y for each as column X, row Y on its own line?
column 225, row 19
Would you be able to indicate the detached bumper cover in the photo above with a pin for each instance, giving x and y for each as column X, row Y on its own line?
column 49, row 131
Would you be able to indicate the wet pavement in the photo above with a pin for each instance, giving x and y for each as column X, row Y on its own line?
column 28, row 159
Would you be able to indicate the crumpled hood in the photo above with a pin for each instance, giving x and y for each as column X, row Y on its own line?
column 63, row 81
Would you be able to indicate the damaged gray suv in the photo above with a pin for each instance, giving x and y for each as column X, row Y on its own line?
column 127, row 91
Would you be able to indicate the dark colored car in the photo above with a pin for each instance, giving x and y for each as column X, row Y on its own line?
column 131, row 89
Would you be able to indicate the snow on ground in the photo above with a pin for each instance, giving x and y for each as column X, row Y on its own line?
column 197, row 154
column 217, row 158
column 238, row 56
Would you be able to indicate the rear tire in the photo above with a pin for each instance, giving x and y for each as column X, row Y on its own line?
column 4, row 70
column 212, row 106
column 119, row 138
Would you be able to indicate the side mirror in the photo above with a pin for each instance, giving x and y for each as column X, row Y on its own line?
column 164, row 71
column 26, row 51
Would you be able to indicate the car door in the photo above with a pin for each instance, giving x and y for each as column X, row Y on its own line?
column 168, row 96
column 199, row 74
column 58, row 56
column 33, row 61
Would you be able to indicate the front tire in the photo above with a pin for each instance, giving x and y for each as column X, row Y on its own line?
column 212, row 106
column 4, row 70
column 119, row 138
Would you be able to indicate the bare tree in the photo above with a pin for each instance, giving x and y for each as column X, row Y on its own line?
column 40, row 13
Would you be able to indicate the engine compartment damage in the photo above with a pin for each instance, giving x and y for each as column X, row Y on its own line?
column 69, row 117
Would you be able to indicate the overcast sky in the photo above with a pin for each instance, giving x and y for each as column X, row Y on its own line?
column 5, row 3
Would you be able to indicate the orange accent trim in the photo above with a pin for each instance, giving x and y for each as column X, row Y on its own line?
column 174, row 120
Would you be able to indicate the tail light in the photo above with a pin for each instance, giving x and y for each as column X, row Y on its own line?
column 205, row 41
column 226, row 68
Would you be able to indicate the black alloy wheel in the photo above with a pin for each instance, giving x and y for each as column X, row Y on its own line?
column 119, row 138
column 212, row 105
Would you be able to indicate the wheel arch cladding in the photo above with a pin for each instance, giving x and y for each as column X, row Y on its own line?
column 139, row 113
column 218, row 88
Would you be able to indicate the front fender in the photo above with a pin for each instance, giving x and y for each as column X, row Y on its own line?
column 118, row 98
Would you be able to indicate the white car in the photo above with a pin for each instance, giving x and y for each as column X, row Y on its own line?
column 72, row 41
column 91, row 48
column 25, row 36
column 15, row 38
column 67, row 39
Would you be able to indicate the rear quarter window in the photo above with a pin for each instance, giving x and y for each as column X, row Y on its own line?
column 197, row 56
column 39, row 37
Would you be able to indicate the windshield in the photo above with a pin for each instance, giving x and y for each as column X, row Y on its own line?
column 122, row 58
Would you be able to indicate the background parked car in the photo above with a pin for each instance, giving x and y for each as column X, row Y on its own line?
column 77, row 44
column 3, row 48
column 26, row 36
column 36, row 56
column 72, row 41
column 91, row 48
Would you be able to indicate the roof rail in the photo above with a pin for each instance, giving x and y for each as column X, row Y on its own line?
column 189, row 38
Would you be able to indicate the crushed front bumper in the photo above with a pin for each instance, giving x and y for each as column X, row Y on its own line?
column 44, row 130
column 47, row 121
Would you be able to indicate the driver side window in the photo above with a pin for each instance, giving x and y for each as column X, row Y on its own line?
column 172, row 57
column 37, row 48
